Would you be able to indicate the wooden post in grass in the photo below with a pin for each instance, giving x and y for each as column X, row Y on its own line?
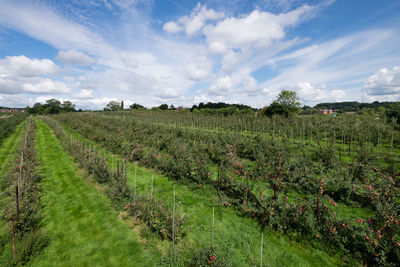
column 261, row 249
column 117, row 168
column 151, row 199
column 151, row 191
column 213, row 230
column 112, row 164
column 173, row 227
column 17, row 200
column 134, row 189
column 13, row 235
column 124, row 168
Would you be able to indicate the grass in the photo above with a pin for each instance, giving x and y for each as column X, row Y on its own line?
column 237, row 238
column 83, row 228
column 8, row 148
column 8, row 151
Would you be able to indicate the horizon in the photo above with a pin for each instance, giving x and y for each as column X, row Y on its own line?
column 183, row 53
column 197, row 104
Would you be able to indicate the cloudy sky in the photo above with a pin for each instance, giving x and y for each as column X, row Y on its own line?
column 185, row 52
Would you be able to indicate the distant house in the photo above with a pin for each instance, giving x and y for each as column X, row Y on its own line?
column 325, row 111
column 12, row 110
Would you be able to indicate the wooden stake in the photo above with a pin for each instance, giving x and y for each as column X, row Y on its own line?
column 13, row 235
column 261, row 249
column 151, row 191
column 173, row 225
column 213, row 230
column 134, row 190
column 17, row 200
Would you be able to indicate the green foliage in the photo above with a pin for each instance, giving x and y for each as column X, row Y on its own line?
column 285, row 173
column 286, row 104
column 163, row 106
column 157, row 214
column 137, row 106
column 52, row 106
column 113, row 106
column 393, row 113
column 8, row 125
column 354, row 106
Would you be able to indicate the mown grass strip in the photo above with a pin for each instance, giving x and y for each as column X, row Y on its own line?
column 83, row 228
column 237, row 238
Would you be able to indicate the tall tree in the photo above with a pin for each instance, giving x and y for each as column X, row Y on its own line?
column 52, row 106
column 67, row 106
column 113, row 106
column 286, row 104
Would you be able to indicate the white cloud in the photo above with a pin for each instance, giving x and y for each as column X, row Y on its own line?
column 21, row 74
column 46, row 86
column 200, row 70
column 314, row 94
column 223, row 86
column 15, row 100
column 193, row 23
column 344, row 62
column 42, row 23
column 229, row 61
column 258, row 29
column 172, row 27
column 384, row 82
column 84, row 94
column 75, row 57
column 250, row 85
column 24, row 67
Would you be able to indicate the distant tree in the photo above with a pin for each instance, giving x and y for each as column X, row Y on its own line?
column 286, row 104
column 37, row 108
column 163, row 107
column 172, row 107
column 52, row 106
column 194, row 107
column 122, row 105
column 136, row 106
column 113, row 106
column 67, row 106
column 393, row 112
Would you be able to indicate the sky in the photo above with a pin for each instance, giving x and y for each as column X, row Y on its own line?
column 151, row 52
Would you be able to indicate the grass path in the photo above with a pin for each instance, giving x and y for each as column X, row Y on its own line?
column 83, row 228
column 237, row 237
column 8, row 148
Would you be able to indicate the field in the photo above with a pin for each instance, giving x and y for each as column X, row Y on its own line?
column 170, row 188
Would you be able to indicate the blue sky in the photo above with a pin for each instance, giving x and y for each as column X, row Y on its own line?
column 185, row 52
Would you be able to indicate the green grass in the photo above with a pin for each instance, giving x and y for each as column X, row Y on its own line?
column 8, row 152
column 8, row 148
column 237, row 238
column 83, row 228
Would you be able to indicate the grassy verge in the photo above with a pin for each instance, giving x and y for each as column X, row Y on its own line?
column 237, row 238
column 83, row 228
